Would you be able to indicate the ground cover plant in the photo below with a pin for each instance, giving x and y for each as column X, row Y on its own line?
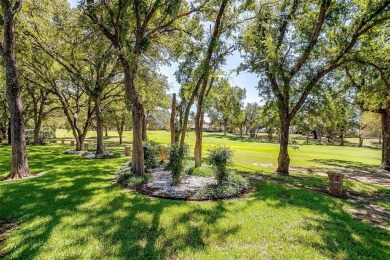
column 74, row 210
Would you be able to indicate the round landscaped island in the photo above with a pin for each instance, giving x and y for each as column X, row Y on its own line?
column 158, row 182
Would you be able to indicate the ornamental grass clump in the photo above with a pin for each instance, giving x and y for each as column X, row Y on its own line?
column 220, row 158
column 176, row 162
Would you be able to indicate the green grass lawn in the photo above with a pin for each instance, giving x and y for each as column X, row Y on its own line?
column 252, row 155
column 75, row 212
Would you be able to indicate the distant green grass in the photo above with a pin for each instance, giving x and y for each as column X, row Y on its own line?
column 250, row 155
column 74, row 211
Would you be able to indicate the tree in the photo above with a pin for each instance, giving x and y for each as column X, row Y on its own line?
column 4, row 114
column 293, row 45
column 19, row 164
column 370, row 126
column 228, row 102
column 134, row 29
column 252, row 118
column 370, row 78
column 118, row 115
column 86, row 58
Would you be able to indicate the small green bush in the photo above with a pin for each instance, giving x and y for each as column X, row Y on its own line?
column 200, row 171
column 108, row 155
column 43, row 138
column 176, row 162
column 220, row 158
column 152, row 154
column 232, row 186
column 131, row 180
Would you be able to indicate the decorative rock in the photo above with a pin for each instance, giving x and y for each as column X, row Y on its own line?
column 335, row 183
column 161, row 185
column 127, row 150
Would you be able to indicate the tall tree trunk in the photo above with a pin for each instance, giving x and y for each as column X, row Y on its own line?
column 106, row 131
column 19, row 164
column 144, row 126
column 99, row 127
column 199, row 127
column 138, row 153
column 38, row 126
column 315, row 134
column 198, row 140
column 386, row 139
column 361, row 136
column 224, row 127
column 120, row 136
column 120, row 124
column 79, row 143
column 173, row 119
column 9, row 132
column 284, row 158
column 342, row 133
column 361, row 139
column 270, row 130
column 137, row 114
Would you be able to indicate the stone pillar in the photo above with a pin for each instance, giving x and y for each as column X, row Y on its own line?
column 72, row 143
column 62, row 141
column 335, row 183
column 127, row 150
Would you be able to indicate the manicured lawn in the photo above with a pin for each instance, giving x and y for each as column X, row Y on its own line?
column 252, row 155
column 75, row 212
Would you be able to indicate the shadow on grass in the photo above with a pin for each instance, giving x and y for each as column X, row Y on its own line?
column 345, row 164
column 75, row 207
column 342, row 237
column 238, row 138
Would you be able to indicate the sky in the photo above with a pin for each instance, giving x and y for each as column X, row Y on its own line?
column 244, row 80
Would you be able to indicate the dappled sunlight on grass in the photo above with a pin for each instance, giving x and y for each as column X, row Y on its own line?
column 74, row 211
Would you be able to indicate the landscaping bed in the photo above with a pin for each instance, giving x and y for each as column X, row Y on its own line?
column 192, row 187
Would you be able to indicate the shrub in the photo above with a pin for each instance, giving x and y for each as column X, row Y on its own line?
column 152, row 154
column 43, row 138
column 232, row 186
column 130, row 180
column 107, row 155
column 200, row 171
column 220, row 158
column 176, row 161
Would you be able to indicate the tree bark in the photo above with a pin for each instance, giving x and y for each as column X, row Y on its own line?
column 138, row 113
column 342, row 133
column 284, row 158
column 270, row 131
column 386, row 139
column 173, row 119
column 361, row 139
column 144, row 126
column 315, row 134
column 198, row 140
column 99, row 127
column 199, row 127
column 9, row 132
column 19, row 164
